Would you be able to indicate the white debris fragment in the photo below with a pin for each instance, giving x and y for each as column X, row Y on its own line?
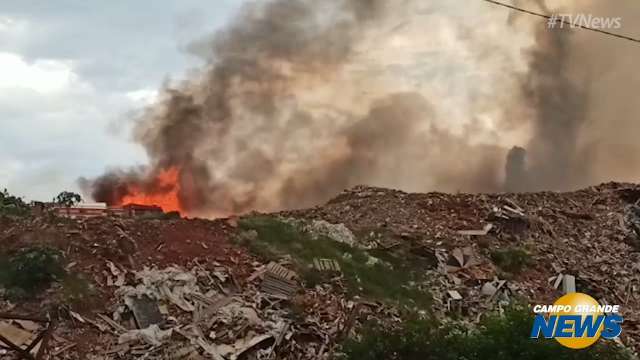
column 488, row 289
column 119, row 274
column 337, row 232
column 484, row 231
column 568, row 284
column 454, row 295
column 172, row 284
column 152, row 335
column 242, row 345
column 236, row 310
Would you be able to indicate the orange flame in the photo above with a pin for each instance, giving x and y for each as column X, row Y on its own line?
column 167, row 199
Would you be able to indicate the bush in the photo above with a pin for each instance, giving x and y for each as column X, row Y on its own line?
column 512, row 260
column 498, row 338
column 12, row 205
column 30, row 270
column 77, row 290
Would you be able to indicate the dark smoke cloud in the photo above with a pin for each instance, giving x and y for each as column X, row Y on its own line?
column 265, row 125
column 576, row 82
column 516, row 179
column 560, row 106
column 212, row 129
column 118, row 183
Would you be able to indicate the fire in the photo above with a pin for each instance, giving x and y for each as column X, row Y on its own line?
column 165, row 195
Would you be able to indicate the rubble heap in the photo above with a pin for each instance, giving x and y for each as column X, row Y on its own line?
column 186, row 289
column 586, row 240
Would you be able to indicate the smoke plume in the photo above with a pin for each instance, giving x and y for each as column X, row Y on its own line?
column 301, row 99
column 572, row 93
column 559, row 107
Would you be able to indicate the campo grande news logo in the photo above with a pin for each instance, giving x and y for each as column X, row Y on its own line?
column 577, row 321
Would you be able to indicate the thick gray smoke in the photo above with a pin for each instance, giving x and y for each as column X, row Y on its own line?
column 560, row 107
column 576, row 82
column 291, row 110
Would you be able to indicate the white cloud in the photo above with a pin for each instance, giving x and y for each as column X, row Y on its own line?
column 53, row 126
column 8, row 168
column 6, row 23
column 10, row 26
column 143, row 96
column 67, row 76
column 45, row 76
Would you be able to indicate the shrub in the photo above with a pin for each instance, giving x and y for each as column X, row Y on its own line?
column 12, row 205
column 497, row 338
column 77, row 290
column 512, row 260
column 30, row 270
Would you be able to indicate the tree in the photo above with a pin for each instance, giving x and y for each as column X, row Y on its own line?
column 67, row 199
column 12, row 205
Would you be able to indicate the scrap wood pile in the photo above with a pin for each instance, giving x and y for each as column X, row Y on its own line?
column 183, row 290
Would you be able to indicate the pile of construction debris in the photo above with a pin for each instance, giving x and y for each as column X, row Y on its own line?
column 181, row 289
column 175, row 313
column 587, row 240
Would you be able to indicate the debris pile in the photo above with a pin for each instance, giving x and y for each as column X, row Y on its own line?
column 175, row 313
column 586, row 241
column 185, row 289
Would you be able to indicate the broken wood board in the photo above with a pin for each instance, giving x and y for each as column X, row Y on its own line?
column 277, row 286
column 482, row 232
column 326, row 265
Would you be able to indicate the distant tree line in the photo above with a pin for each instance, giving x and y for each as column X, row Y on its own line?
column 16, row 206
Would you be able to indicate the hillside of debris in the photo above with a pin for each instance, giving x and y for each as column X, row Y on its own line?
column 300, row 284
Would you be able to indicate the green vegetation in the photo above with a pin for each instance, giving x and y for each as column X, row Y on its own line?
column 76, row 290
column 12, row 205
column 67, row 199
column 30, row 270
column 385, row 277
column 498, row 338
column 512, row 260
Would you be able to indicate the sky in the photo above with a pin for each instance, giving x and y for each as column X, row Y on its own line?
column 73, row 72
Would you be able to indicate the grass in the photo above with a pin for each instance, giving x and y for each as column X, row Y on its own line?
column 512, row 260
column 498, row 338
column 384, row 277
